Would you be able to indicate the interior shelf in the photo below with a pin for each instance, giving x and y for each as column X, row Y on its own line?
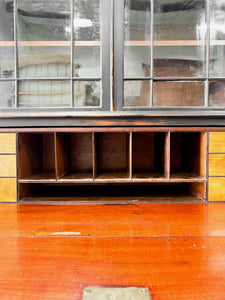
column 36, row 157
column 188, row 155
column 112, row 155
column 113, row 192
column 74, row 156
column 148, row 155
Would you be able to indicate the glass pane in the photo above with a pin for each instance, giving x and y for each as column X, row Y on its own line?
column 44, row 33
column 87, row 62
column 7, row 89
column 87, row 36
column 137, row 34
column 137, row 93
column 179, row 38
column 217, row 38
column 217, row 93
column 6, row 40
column 178, row 93
column 87, row 93
column 45, row 93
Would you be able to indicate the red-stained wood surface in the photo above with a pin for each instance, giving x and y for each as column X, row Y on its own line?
column 54, row 251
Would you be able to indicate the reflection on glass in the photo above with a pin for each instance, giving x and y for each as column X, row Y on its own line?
column 45, row 93
column 180, row 35
column 217, row 93
column 87, row 31
column 87, row 93
column 87, row 62
column 7, row 98
column 180, row 93
column 137, row 93
column 40, row 24
column 87, row 20
column 137, row 35
column 6, row 40
column 217, row 39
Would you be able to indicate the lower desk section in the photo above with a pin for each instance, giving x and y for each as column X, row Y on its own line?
column 110, row 164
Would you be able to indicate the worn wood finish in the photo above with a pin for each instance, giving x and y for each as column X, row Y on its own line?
column 65, row 248
column 143, row 152
column 8, row 189
column 8, row 166
column 137, row 128
column 119, row 220
column 216, row 164
column 216, row 189
column 195, row 118
column 112, row 152
column 217, row 142
column 81, row 159
column 8, row 143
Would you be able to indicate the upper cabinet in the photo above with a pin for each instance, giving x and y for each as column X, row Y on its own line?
column 121, row 55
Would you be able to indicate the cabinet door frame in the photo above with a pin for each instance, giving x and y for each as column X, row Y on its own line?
column 104, row 78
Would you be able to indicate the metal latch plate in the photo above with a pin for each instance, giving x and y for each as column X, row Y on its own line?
column 125, row 293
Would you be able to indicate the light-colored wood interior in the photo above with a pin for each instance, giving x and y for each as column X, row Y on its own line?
column 8, row 143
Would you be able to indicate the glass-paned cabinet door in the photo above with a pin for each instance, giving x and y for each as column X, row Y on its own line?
column 51, row 54
column 161, row 54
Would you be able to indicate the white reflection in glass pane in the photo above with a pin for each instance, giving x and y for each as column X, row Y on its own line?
column 44, row 30
column 87, row 62
column 6, row 40
column 87, row 93
column 180, row 38
column 137, row 36
column 217, row 38
column 137, row 93
column 86, row 20
column 7, row 90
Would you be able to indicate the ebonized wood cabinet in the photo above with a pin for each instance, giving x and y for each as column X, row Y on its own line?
column 127, row 96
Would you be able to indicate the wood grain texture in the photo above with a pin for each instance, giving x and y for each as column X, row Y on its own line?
column 8, row 166
column 112, row 152
column 8, row 189
column 217, row 164
column 118, row 220
column 217, row 142
column 54, row 251
column 216, row 186
column 81, row 152
column 8, row 143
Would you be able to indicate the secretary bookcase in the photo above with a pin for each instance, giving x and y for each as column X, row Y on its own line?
column 112, row 100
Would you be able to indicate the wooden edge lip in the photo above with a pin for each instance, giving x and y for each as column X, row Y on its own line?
column 42, row 113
